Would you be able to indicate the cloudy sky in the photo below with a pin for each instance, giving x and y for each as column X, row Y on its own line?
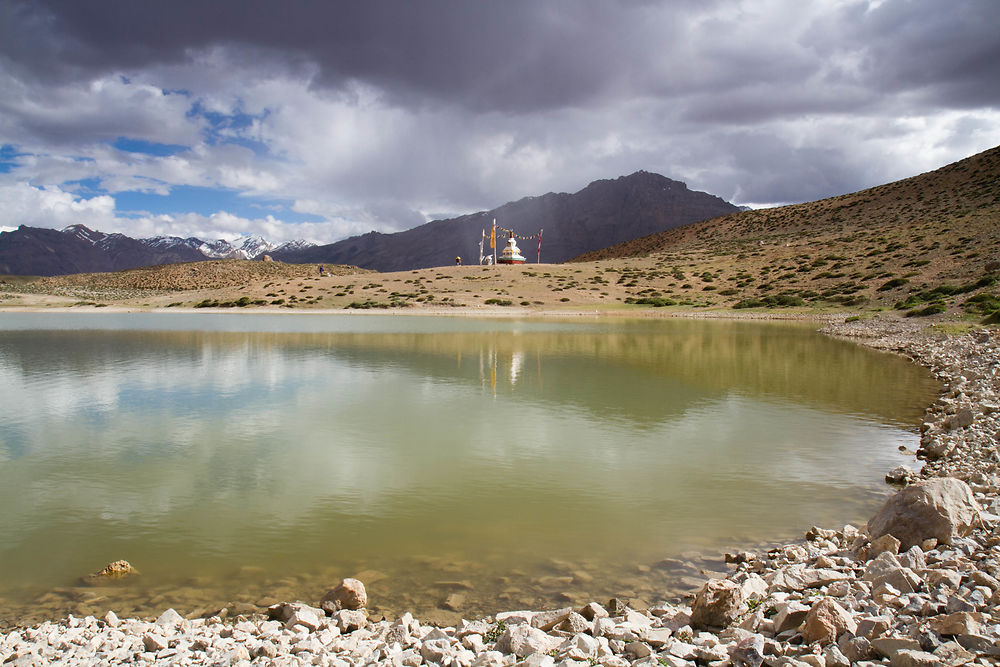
column 319, row 119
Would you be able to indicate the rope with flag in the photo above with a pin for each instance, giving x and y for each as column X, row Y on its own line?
column 510, row 234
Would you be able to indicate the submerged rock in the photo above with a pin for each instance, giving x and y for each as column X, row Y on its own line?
column 119, row 569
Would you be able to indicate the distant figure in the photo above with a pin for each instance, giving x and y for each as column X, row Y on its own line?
column 321, row 269
column 458, row 261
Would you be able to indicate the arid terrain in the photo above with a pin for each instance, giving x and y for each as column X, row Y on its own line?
column 921, row 246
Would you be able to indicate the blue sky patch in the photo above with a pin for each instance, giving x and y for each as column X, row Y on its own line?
column 147, row 147
column 8, row 158
column 206, row 201
column 229, row 128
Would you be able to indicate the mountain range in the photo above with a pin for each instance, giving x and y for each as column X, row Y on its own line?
column 604, row 213
column 39, row 251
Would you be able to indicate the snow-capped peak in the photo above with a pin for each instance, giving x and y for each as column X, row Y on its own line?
column 294, row 245
column 85, row 234
column 252, row 246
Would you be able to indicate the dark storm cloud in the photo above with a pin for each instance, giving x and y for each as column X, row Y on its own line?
column 522, row 54
column 948, row 53
column 515, row 54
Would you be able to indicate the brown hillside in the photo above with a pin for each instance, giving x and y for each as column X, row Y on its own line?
column 880, row 245
column 214, row 274
column 958, row 193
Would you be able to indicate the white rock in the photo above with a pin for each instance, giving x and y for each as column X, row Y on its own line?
column 522, row 640
column 169, row 618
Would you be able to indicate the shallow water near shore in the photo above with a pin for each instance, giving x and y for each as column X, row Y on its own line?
column 456, row 465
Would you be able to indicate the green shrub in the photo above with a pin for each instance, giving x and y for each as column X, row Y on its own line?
column 892, row 284
column 655, row 301
column 749, row 303
column 984, row 304
column 932, row 309
column 366, row 305
column 499, row 302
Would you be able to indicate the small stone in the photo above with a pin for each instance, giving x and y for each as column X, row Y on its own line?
column 522, row 640
column 116, row 570
column 111, row 619
column 912, row 658
column 789, row 617
column 883, row 544
column 857, row 649
column 979, row 644
column 749, row 651
column 515, row 617
column 637, row 650
column 826, row 621
column 798, row 577
column 958, row 623
column 349, row 620
column 453, row 601
column 305, row 617
column 538, row 660
column 961, row 419
column 872, row 627
column 546, row 620
column 938, row 577
column 898, row 475
column 835, row 657
column 716, row 604
column 657, row 637
column 169, row 618
column 952, row 653
column 888, row 647
column 153, row 643
column 575, row 624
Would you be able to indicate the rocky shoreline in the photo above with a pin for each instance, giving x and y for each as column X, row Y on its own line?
column 918, row 586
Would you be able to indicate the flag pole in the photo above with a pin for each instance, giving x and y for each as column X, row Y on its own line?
column 493, row 241
column 539, row 259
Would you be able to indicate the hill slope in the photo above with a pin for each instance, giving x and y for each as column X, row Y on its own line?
column 890, row 244
column 603, row 213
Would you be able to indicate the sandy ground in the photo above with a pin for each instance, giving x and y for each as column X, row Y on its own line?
column 603, row 288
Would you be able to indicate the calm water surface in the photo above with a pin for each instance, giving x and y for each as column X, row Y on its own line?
column 457, row 465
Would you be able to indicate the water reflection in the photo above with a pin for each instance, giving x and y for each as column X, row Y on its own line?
column 297, row 451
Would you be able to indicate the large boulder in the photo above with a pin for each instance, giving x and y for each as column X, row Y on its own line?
column 941, row 508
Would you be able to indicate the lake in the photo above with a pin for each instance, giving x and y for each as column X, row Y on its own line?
column 456, row 465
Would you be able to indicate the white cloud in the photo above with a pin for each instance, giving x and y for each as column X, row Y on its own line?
column 24, row 204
